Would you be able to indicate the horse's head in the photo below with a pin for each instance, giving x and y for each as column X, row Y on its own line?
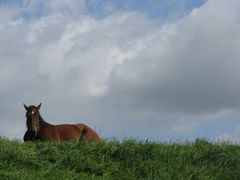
column 33, row 118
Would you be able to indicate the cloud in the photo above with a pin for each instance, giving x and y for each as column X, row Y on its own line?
column 72, row 5
column 7, row 13
column 124, row 74
column 233, row 137
column 192, row 67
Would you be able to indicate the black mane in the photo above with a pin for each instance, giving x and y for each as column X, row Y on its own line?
column 42, row 122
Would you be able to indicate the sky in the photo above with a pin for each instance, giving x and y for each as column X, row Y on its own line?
column 162, row 70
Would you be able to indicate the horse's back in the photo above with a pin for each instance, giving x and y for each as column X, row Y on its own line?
column 76, row 132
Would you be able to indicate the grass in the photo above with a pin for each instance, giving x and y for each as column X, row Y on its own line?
column 129, row 159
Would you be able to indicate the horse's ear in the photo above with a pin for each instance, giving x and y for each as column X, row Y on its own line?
column 39, row 106
column 25, row 106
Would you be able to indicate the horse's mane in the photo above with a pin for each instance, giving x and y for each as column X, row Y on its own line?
column 42, row 122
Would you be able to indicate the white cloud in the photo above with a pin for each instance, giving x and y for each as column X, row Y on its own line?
column 125, row 73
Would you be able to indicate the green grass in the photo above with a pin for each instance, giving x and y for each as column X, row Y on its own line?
column 129, row 159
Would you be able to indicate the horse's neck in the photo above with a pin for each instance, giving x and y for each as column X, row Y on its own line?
column 43, row 123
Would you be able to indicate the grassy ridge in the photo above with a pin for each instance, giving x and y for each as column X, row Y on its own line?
column 118, row 160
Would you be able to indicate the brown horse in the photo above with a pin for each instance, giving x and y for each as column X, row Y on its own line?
column 38, row 129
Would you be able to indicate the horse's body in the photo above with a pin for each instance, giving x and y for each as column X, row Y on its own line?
column 38, row 129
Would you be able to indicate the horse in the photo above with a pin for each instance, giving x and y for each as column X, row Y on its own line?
column 29, row 136
column 39, row 129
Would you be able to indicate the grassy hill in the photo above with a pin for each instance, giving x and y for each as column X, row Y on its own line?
column 118, row 160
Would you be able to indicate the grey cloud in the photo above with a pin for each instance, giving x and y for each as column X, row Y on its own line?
column 197, row 72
